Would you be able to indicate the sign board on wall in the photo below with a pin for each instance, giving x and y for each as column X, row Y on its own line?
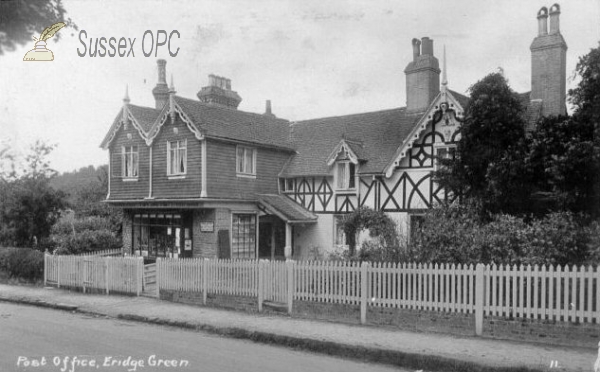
column 207, row 226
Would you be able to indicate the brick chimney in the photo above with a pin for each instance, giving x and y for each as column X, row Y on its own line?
column 161, row 90
column 218, row 92
column 549, row 63
column 422, row 76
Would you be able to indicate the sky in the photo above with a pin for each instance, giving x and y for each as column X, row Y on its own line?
column 310, row 58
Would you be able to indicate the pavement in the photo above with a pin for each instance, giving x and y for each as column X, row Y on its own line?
column 400, row 345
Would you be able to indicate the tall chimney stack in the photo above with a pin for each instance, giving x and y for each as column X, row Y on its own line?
column 218, row 92
column 549, row 64
column 161, row 90
column 422, row 76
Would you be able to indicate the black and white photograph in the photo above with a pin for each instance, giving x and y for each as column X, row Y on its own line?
column 279, row 185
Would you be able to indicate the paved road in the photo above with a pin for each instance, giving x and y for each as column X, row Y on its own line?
column 28, row 334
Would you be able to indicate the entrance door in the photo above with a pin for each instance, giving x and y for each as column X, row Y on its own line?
column 265, row 240
column 186, row 248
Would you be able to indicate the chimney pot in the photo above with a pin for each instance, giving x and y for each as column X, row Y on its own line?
column 543, row 21
column 426, row 46
column 268, row 108
column 416, row 44
column 554, row 19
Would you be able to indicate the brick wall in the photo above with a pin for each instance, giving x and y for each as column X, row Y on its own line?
column 545, row 331
column 205, row 243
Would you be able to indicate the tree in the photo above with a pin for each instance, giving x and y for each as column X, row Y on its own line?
column 488, row 166
column 30, row 205
column 565, row 151
column 21, row 19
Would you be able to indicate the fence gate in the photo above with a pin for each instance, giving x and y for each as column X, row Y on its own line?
column 275, row 281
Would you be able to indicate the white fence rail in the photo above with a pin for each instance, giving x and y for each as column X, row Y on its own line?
column 561, row 294
column 105, row 252
column 119, row 274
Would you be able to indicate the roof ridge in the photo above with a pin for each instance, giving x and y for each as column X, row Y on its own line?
column 231, row 109
column 348, row 115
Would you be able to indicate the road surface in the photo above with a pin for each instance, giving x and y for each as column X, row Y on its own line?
column 37, row 339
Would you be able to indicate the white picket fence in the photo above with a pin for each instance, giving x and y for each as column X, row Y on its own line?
column 561, row 294
column 109, row 274
column 105, row 252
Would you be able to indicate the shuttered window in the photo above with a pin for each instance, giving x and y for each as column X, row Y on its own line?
column 176, row 158
column 243, row 236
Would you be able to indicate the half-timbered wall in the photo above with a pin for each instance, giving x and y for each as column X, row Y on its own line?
column 164, row 186
column 121, row 188
column 222, row 178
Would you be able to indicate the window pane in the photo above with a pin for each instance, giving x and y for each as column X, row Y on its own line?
column 248, row 160
column 243, row 239
column 240, row 159
column 341, row 176
column 351, row 177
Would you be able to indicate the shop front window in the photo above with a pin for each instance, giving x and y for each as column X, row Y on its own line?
column 158, row 235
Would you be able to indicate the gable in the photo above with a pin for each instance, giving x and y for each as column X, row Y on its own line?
column 446, row 110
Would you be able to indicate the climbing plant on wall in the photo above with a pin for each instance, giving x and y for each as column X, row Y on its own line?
column 378, row 223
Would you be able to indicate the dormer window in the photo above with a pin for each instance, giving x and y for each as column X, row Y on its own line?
column 346, row 175
column 130, row 162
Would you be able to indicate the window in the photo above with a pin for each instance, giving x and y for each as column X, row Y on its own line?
column 243, row 236
column 157, row 234
column 346, row 176
column 246, row 161
column 286, row 184
column 444, row 152
column 176, row 158
column 130, row 162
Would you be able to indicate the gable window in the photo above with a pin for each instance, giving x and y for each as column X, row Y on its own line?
column 176, row 158
column 246, row 161
column 346, row 175
column 444, row 152
column 243, row 236
column 130, row 162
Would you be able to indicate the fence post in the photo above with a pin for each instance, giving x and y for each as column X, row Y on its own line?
column 261, row 285
column 158, row 265
column 84, row 270
column 363, row 292
column 479, row 299
column 291, row 268
column 204, row 280
column 106, row 275
column 45, row 267
column 58, row 270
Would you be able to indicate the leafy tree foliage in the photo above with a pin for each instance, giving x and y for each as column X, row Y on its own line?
column 488, row 166
column 20, row 20
column 30, row 206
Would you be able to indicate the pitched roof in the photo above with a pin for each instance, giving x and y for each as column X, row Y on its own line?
column 286, row 209
column 229, row 123
column 379, row 132
column 145, row 116
column 142, row 116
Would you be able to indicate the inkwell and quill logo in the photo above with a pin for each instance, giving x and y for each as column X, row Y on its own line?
column 40, row 52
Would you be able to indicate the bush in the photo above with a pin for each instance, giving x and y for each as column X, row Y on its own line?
column 74, row 236
column 456, row 234
column 22, row 263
